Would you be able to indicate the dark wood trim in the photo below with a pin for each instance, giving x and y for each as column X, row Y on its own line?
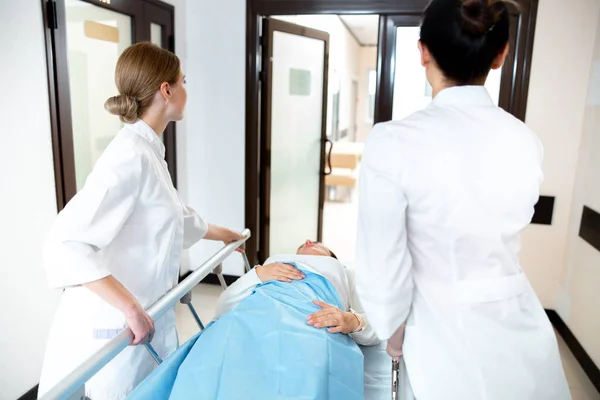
column 212, row 279
column 129, row 7
column 383, row 93
column 294, row 29
column 161, row 4
column 590, row 227
column 32, row 394
column 60, row 109
column 252, row 189
column 49, row 15
column 544, row 211
column 527, row 36
column 269, row 27
column 59, row 85
column 586, row 362
column 163, row 15
column 325, row 95
column 386, row 61
column 292, row 7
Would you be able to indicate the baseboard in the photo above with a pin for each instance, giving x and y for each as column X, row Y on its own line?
column 31, row 395
column 586, row 362
column 212, row 279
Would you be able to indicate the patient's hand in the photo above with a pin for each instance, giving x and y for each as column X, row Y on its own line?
column 336, row 320
column 279, row 272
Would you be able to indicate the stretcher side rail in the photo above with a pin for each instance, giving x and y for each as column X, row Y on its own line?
column 73, row 382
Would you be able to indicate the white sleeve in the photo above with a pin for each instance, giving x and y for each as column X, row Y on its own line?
column 383, row 264
column 92, row 219
column 194, row 227
column 237, row 292
column 365, row 336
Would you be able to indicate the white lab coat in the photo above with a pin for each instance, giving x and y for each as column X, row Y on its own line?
column 127, row 221
column 340, row 277
column 444, row 196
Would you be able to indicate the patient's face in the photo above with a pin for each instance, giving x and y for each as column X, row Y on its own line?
column 310, row 248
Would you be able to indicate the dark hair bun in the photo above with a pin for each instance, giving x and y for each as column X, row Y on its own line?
column 475, row 17
column 478, row 17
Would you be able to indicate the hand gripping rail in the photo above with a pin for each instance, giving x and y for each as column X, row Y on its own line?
column 73, row 382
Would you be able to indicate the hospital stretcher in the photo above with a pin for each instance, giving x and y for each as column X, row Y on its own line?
column 72, row 386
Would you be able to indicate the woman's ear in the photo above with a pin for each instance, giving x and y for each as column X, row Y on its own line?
column 165, row 91
column 425, row 54
column 500, row 58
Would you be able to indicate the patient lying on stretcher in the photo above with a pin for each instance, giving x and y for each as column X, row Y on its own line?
column 313, row 257
column 287, row 329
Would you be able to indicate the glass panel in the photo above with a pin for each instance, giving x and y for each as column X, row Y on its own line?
column 296, row 109
column 96, row 37
column 493, row 84
column 156, row 35
column 412, row 91
column 372, row 92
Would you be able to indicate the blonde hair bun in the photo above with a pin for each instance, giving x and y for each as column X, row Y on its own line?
column 139, row 74
column 126, row 107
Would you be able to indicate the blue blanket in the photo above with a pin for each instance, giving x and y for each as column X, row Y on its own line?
column 264, row 349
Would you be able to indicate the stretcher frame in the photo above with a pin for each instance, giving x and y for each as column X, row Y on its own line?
column 72, row 387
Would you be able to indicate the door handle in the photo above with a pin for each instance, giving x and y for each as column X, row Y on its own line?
column 329, row 156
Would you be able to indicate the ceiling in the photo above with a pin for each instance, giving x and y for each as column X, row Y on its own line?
column 365, row 28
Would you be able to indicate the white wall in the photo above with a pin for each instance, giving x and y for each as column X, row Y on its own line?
column 578, row 295
column 213, row 145
column 562, row 57
column 28, row 201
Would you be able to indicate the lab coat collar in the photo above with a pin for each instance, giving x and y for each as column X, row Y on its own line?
column 147, row 133
column 463, row 95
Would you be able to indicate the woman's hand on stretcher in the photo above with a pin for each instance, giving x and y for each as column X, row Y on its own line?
column 279, row 272
column 394, row 344
column 336, row 320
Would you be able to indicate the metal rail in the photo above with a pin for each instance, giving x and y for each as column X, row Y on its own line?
column 73, row 382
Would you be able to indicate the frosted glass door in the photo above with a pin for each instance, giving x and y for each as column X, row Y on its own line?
column 96, row 37
column 296, row 135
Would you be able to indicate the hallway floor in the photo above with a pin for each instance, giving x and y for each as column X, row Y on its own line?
column 205, row 299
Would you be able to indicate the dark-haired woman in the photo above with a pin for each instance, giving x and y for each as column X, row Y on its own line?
column 444, row 196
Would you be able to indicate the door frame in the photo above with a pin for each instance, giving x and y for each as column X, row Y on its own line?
column 54, row 19
column 269, row 27
column 154, row 13
column 255, row 9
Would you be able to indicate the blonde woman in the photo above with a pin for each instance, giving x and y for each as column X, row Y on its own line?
column 116, row 246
